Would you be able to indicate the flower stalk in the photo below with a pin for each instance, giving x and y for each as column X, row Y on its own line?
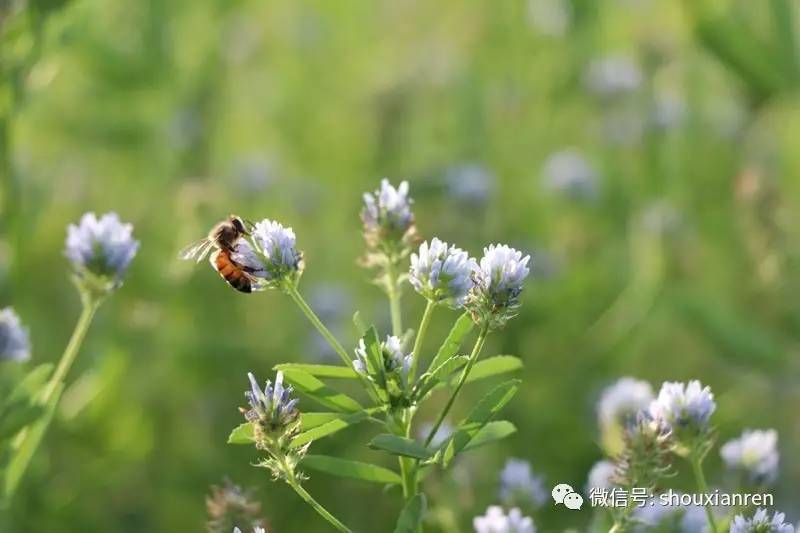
column 293, row 482
column 476, row 351
column 291, row 289
column 696, row 460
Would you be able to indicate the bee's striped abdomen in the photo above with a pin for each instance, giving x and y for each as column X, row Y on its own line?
column 231, row 272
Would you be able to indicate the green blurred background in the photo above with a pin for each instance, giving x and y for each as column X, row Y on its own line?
column 664, row 241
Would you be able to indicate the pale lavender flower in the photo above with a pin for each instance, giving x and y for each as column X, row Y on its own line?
column 668, row 111
column 15, row 344
column 471, row 183
column 755, row 454
column 761, row 523
column 619, row 403
column 442, row 273
column 498, row 285
column 102, row 247
column 394, row 360
column 569, row 174
column 276, row 244
column 273, row 407
column 654, row 514
column 388, row 210
column 601, row 476
column 613, row 76
column 684, row 406
column 517, row 482
column 497, row 521
column 255, row 530
column 550, row 17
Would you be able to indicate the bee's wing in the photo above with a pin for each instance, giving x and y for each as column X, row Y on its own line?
column 196, row 250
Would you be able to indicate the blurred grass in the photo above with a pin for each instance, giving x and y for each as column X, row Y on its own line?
column 177, row 113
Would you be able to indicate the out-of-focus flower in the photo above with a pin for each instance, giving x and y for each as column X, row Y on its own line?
column 394, row 360
column 568, row 173
column 518, row 484
column 654, row 515
column 229, row 505
column 497, row 521
column 755, row 454
column 498, row 285
column 601, row 476
column 273, row 408
column 15, row 344
column 387, row 213
column 471, row 183
column 761, row 523
column 661, row 219
column 619, row 403
column 613, row 76
column 550, row 17
column 255, row 530
column 684, row 406
column 101, row 250
column 441, row 435
column 330, row 301
column 276, row 245
column 668, row 111
column 442, row 273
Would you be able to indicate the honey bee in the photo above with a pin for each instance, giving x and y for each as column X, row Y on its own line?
column 224, row 239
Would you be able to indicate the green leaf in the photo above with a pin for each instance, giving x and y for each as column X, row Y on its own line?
column 30, row 386
column 322, row 371
column 312, row 420
column 351, row 469
column 453, row 342
column 318, row 391
column 411, row 517
column 17, row 417
column 30, row 439
column 329, row 428
column 494, row 366
column 361, row 326
column 241, row 434
column 429, row 380
column 486, row 409
column 491, row 432
column 400, row 446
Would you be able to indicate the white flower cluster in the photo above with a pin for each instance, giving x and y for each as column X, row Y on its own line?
column 388, row 210
column 442, row 273
column 684, row 406
column 103, row 248
column 755, row 454
column 497, row 521
column 276, row 246
column 761, row 523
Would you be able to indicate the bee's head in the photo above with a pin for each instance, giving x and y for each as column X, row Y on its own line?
column 238, row 223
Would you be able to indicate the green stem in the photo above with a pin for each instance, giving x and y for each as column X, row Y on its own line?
column 392, row 290
column 407, row 465
column 316, row 505
column 71, row 352
column 423, row 328
column 291, row 290
column 702, row 486
column 27, row 442
column 476, row 350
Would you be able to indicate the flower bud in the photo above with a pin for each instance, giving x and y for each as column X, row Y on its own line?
column 498, row 285
column 387, row 215
column 393, row 377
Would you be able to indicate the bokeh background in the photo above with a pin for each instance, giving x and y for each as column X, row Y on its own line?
column 644, row 152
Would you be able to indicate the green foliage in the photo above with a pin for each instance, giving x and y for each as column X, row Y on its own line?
column 351, row 469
